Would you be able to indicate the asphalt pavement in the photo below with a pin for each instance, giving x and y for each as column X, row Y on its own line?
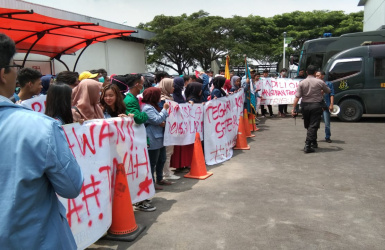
column 274, row 196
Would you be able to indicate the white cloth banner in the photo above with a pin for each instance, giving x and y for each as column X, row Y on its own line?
column 99, row 146
column 36, row 103
column 221, row 119
column 183, row 122
column 278, row 91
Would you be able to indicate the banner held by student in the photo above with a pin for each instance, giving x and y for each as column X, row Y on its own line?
column 221, row 118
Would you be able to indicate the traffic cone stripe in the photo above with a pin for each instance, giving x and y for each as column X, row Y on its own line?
column 124, row 232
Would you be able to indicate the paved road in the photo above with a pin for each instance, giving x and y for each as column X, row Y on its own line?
column 276, row 197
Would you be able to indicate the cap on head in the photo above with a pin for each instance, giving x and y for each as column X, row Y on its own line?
column 87, row 75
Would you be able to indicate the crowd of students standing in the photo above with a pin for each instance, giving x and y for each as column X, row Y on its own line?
column 73, row 97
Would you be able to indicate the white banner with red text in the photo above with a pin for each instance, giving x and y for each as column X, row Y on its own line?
column 36, row 103
column 278, row 91
column 183, row 122
column 99, row 146
column 221, row 118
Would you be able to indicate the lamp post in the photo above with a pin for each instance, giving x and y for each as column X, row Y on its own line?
column 284, row 43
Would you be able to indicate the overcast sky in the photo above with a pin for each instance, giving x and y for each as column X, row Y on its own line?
column 133, row 12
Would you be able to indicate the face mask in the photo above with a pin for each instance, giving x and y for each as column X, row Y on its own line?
column 101, row 79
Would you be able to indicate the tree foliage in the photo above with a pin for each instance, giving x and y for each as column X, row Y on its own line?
column 184, row 42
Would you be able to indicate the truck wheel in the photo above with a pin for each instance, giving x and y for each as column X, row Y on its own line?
column 351, row 110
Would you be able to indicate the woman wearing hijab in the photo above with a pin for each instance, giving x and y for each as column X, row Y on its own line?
column 86, row 97
column 193, row 92
column 155, row 133
column 178, row 89
column 46, row 82
column 166, row 86
column 218, row 83
column 235, row 83
column 182, row 155
column 227, row 86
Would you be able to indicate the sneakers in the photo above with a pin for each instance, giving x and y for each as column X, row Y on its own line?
column 144, row 206
column 328, row 140
column 172, row 177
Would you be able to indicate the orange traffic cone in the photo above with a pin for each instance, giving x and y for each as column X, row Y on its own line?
column 123, row 227
column 241, row 138
column 253, row 126
column 246, row 124
column 198, row 165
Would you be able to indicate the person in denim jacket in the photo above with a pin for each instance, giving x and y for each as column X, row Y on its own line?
column 155, row 132
column 36, row 165
column 329, row 100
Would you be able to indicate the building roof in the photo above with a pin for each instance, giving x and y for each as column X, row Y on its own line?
column 66, row 15
column 53, row 37
column 362, row 2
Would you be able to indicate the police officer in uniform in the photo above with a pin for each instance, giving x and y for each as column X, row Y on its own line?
column 310, row 89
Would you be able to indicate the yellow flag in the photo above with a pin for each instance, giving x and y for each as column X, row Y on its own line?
column 227, row 70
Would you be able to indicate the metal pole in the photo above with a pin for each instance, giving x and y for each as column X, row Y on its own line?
column 284, row 43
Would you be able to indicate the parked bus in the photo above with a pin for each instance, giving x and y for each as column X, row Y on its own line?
column 318, row 51
column 358, row 77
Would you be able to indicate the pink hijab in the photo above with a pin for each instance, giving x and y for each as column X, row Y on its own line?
column 86, row 97
column 166, row 85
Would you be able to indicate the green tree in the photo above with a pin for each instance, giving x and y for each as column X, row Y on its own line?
column 188, row 41
column 171, row 45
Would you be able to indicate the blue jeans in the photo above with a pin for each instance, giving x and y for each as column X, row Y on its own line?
column 326, row 116
column 158, row 158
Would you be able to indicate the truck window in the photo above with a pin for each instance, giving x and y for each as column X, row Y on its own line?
column 345, row 68
column 379, row 67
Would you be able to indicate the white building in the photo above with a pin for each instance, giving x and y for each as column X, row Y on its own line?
column 374, row 14
column 118, row 56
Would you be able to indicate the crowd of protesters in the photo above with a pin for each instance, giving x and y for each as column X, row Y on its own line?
column 95, row 94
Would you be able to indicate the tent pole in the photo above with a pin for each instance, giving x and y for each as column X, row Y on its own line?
column 88, row 42
column 58, row 58
column 39, row 36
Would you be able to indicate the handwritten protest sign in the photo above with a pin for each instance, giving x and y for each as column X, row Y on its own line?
column 99, row 146
column 221, row 118
column 278, row 91
column 36, row 104
column 183, row 122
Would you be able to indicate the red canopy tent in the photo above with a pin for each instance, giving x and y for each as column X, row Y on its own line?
column 39, row 34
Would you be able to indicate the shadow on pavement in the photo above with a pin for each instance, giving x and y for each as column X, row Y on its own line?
column 163, row 205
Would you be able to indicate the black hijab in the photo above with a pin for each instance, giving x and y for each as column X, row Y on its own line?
column 193, row 92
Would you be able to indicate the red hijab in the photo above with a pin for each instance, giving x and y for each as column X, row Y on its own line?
column 227, row 85
column 151, row 96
